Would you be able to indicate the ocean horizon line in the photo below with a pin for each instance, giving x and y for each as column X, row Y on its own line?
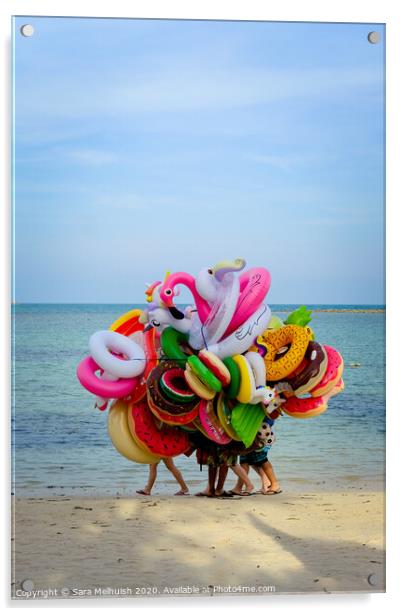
column 142, row 303
column 125, row 307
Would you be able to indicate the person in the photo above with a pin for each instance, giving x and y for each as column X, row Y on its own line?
column 219, row 460
column 215, row 488
column 153, row 470
column 258, row 460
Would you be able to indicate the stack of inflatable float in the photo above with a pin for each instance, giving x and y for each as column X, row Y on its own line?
column 221, row 367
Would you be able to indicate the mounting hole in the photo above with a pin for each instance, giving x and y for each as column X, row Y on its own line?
column 372, row 579
column 373, row 37
column 27, row 585
column 27, row 30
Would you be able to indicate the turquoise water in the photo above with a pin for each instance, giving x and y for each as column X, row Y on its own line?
column 61, row 445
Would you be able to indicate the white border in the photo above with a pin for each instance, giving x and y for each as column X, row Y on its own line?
column 386, row 11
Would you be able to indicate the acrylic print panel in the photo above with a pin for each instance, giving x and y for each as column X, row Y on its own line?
column 242, row 164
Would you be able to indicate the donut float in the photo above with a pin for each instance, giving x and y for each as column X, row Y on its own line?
column 294, row 338
column 165, row 409
column 337, row 389
column 303, row 408
column 313, row 368
column 332, row 374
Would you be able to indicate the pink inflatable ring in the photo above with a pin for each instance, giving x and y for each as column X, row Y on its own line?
column 86, row 373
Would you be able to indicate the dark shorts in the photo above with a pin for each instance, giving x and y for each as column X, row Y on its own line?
column 254, row 458
column 216, row 457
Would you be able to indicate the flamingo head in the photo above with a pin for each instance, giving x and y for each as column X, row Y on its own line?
column 166, row 295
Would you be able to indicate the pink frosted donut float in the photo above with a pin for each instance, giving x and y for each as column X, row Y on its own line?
column 332, row 374
column 337, row 389
column 86, row 374
column 303, row 408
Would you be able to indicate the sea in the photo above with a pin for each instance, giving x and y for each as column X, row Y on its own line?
column 60, row 443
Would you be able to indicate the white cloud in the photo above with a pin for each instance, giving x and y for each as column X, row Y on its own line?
column 185, row 88
column 287, row 163
column 92, row 157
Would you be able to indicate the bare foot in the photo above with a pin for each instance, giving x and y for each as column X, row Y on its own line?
column 205, row 493
column 274, row 487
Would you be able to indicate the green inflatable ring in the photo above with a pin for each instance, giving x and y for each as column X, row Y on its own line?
column 233, row 389
column 170, row 343
column 204, row 374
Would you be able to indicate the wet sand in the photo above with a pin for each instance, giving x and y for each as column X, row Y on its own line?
column 315, row 542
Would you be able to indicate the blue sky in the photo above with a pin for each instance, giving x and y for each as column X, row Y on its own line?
column 142, row 146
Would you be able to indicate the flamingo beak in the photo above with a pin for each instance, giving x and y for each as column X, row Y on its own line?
column 148, row 327
column 176, row 313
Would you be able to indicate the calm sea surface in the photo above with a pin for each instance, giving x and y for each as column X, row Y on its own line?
column 61, row 445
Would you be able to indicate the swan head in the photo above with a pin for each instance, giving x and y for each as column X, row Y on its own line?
column 224, row 267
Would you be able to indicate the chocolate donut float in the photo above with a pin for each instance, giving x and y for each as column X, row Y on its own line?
column 316, row 361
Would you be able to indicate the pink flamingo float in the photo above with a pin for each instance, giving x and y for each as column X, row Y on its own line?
column 254, row 285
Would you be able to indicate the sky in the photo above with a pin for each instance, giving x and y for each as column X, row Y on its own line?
column 142, row 146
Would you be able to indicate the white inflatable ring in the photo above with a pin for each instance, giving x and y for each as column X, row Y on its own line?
column 103, row 343
column 257, row 364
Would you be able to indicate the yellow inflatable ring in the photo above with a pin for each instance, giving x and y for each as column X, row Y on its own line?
column 197, row 386
column 121, row 438
column 294, row 335
column 247, row 381
column 128, row 323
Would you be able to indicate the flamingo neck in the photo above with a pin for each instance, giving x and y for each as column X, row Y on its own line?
column 188, row 281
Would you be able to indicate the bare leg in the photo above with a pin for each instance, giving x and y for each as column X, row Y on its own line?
column 223, row 471
column 170, row 465
column 151, row 479
column 269, row 471
column 239, row 484
column 265, row 483
column 241, row 473
column 212, row 472
column 210, row 490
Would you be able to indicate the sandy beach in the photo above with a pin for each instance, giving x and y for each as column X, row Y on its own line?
column 316, row 542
